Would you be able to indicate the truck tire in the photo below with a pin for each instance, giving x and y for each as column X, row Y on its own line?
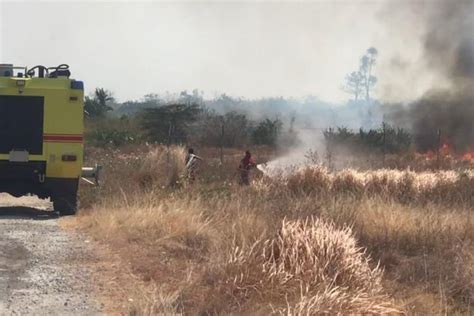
column 65, row 205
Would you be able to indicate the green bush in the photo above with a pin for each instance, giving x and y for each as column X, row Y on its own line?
column 384, row 139
column 113, row 132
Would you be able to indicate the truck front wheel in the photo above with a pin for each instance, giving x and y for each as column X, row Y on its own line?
column 65, row 205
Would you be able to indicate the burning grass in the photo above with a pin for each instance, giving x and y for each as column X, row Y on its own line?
column 308, row 243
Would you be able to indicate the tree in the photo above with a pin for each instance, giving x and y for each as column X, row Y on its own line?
column 97, row 105
column 367, row 63
column 169, row 123
column 194, row 98
column 225, row 103
column 385, row 139
column 103, row 96
column 354, row 84
column 362, row 80
column 228, row 130
column 267, row 132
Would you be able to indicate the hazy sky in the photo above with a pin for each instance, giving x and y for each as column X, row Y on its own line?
column 248, row 49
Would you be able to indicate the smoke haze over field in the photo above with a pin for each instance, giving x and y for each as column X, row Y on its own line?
column 448, row 45
column 249, row 49
column 264, row 49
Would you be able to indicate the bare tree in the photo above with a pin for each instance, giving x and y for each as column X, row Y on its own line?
column 362, row 80
column 367, row 63
column 354, row 84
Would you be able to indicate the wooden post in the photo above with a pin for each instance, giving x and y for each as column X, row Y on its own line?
column 222, row 140
column 329, row 157
column 170, row 132
column 383, row 144
column 438, row 145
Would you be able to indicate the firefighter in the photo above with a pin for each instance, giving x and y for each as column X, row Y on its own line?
column 191, row 164
column 246, row 164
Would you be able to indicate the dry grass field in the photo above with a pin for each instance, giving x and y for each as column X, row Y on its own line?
column 304, row 243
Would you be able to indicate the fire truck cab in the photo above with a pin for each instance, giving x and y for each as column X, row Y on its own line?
column 41, row 134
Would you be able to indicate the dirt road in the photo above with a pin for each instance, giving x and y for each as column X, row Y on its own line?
column 42, row 267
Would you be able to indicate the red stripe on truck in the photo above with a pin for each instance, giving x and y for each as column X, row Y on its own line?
column 63, row 138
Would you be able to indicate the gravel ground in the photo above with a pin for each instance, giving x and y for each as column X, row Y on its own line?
column 43, row 269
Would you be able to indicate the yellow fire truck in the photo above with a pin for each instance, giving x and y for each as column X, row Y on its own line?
column 41, row 134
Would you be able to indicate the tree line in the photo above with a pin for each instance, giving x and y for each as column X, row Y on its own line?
column 180, row 122
column 193, row 123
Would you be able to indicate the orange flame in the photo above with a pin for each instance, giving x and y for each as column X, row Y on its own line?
column 468, row 156
column 446, row 150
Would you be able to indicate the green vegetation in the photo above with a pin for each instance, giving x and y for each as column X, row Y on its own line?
column 385, row 139
column 267, row 132
column 97, row 105
column 190, row 120
column 169, row 123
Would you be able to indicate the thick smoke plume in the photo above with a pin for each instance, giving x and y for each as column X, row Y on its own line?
column 449, row 50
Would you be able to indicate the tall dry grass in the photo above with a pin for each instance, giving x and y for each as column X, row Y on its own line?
column 308, row 243
column 162, row 166
column 309, row 267
column 443, row 187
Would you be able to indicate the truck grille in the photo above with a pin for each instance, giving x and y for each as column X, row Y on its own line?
column 21, row 124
